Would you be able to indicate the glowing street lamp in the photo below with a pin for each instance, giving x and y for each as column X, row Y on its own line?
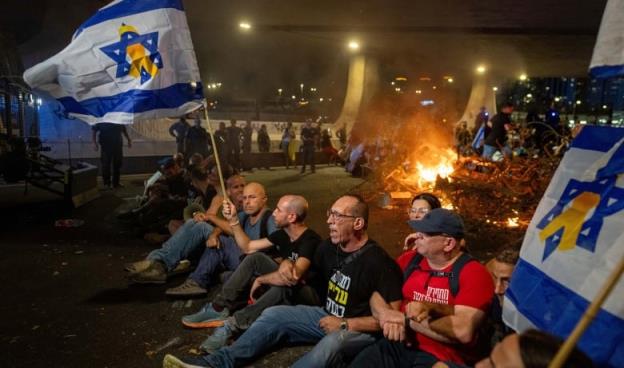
column 354, row 45
column 301, row 86
column 523, row 77
column 481, row 69
column 279, row 92
column 494, row 88
column 245, row 26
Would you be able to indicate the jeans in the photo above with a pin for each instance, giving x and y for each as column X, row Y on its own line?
column 488, row 151
column 111, row 156
column 392, row 354
column 228, row 255
column 187, row 243
column 296, row 325
column 308, row 157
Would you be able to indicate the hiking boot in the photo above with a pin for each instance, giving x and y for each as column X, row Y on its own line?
column 206, row 317
column 217, row 340
column 190, row 287
column 184, row 266
column 156, row 273
column 171, row 361
column 139, row 266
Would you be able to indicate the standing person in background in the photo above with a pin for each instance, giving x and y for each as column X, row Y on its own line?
column 497, row 139
column 247, row 133
column 342, row 136
column 287, row 136
column 264, row 144
column 235, row 135
column 178, row 131
column 308, row 137
column 196, row 140
column 108, row 135
column 222, row 141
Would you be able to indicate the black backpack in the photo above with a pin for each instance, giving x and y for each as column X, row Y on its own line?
column 453, row 276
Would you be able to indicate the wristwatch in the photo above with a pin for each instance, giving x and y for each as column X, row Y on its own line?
column 344, row 325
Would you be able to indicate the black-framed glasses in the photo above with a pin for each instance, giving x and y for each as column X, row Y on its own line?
column 337, row 215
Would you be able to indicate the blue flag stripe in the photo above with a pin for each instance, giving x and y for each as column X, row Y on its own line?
column 126, row 8
column 135, row 101
column 598, row 138
column 610, row 71
column 552, row 307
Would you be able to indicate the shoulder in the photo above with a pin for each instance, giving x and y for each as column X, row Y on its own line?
column 311, row 235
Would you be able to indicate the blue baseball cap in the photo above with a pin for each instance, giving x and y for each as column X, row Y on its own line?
column 440, row 220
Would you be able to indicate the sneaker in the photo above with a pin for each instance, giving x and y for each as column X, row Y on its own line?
column 186, row 362
column 156, row 273
column 140, row 266
column 207, row 317
column 217, row 340
column 190, row 287
column 184, row 266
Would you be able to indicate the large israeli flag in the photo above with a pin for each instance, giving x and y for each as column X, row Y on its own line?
column 574, row 241
column 608, row 58
column 132, row 60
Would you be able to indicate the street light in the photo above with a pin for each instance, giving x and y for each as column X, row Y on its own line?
column 245, row 26
column 523, row 77
column 279, row 92
column 481, row 69
column 301, row 86
column 494, row 88
column 354, row 45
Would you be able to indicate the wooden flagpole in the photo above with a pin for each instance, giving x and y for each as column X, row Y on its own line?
column 215, row 151
column 588, row 317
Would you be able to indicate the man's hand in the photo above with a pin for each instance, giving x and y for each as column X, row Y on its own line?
column 213, row 241
column 417, row 311
column 229, row 210
column 410, row 239
column 394, row 331
column 199, row 216
column 387, row 315
column 286, row 271
column 256, row 284
column 330, row 324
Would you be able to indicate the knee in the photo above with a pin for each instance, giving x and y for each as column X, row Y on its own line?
column 273, row 315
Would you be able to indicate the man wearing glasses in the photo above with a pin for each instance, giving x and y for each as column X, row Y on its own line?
column 446, row 296
column 351, row 266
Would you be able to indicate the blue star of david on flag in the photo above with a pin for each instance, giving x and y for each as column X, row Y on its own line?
column 135, row 54
column 609, row 198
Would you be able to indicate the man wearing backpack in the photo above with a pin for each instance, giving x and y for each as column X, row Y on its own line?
column 446, row 296
column 222, row 251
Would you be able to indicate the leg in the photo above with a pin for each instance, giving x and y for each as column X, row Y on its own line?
column 187, row 242
column 335, row 348
column 385, row 353
column 117, row 160
column 211, row 259
column 276, row 295
column 254, row 264
column 277, row 324
column 106, row 160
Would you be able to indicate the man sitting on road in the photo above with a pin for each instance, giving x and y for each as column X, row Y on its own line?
column 351, row 266
column 188, row 241
column 296, row 245
column 446, row 295
column 221, row 250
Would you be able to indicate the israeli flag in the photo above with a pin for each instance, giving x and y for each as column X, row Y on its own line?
column 573, row 243
column 132, row 60
column 608, row 58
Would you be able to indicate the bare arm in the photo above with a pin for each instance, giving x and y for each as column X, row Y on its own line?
column 458, row 327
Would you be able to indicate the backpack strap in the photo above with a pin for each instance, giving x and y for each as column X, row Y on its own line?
column 453, row 276
column 413, row 265
column 264, row 230
column 456, row 270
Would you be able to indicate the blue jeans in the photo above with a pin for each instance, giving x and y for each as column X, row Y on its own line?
column 488, row 151
column 212, row 259
column 295, row 325
column 187, row 243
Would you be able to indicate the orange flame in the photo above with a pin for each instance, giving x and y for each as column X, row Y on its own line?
column 439, row 162
column 513, row 222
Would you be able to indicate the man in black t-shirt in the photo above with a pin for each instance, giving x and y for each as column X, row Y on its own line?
column 308, row 137
column 295, row 244
column 108, row 135
column 497, row 139
column 352, row 267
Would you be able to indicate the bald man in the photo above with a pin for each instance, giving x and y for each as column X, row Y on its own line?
column 294, row 242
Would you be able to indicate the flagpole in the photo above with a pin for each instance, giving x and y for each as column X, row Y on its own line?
column 587, row 317
column 215, row 151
